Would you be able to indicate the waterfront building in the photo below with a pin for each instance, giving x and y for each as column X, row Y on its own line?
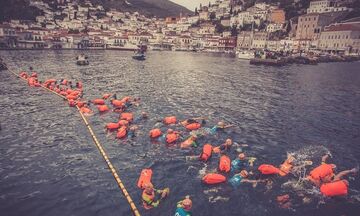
column 310, row 25
column 273, row 45
column 259, row 40
column 8, row 36
column 341, row 37
column 227, row 44
column 244, row 40
column 325, row 6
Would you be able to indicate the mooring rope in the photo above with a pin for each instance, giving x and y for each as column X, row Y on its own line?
column 99, row 146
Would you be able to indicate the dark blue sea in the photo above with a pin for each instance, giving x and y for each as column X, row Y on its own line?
column 50, row 166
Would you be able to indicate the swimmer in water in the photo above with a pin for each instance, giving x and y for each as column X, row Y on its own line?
column 183, row 207
column 149, row 196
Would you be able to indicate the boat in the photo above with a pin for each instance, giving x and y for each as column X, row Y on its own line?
column 126, row 47
column 140, row 53
column 139, row 56
column 247, row 55
column 270, row 62
column 2, row 65
column 82, row 60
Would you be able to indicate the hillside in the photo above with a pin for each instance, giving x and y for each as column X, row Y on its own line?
column 17, row 9
column 20, row 9
column 159, row 8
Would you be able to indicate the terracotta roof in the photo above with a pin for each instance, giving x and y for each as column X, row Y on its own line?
column 343, row 27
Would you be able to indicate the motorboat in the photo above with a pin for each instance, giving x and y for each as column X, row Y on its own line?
column 247, row 55
column 139, row 56
column 82, row 60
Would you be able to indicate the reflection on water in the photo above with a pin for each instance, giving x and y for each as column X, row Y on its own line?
column 49, row 165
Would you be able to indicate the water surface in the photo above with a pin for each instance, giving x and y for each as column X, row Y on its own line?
column 49, row 164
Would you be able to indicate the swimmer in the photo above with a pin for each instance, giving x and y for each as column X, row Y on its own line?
column 239, row 163
column 149, row 196
column 325, row 172
column 183, row 207
column 242, row 177
column 223, row 147
column 212, row 131
column 132, row 130
column 143, row 115
column 337, row 186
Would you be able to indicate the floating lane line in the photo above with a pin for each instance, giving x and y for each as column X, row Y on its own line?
column 100, row 148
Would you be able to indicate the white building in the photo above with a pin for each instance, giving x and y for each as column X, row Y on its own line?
column 273, row 27
column 324, row 6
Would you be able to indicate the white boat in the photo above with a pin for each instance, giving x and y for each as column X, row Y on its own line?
column 247, row 55
column 82, row 60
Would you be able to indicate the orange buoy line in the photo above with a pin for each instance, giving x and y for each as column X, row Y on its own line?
column 102, row 151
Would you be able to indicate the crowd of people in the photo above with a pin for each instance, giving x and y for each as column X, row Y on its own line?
column 188, row 133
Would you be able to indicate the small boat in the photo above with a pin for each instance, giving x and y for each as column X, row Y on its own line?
column 139, row 56
column 140, row 53
column 270, row 62
column 246, row 55
column 82, row 60
column 2, row 65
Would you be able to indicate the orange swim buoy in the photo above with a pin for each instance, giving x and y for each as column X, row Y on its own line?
column 106, row 96
column 112, row 126
column 170, row 120
column 117, row 103
column 85, row 110
column 145, row 178
column 69, row 91
column 64, row 82
column 268, row 169
column 127, row 116
column 172, row 137
column 72, row 103
column 155, row 133
column 206, row 152
column 125, row 99
column 103, row 108
column 34, row 74
column 121, row 132
column 193, row 126
column 213, row 178
column 224, row 163
column 337, row 188
column 80, row 103
column 71, row 97
column 123, row 122
column 63, row 93
column 321, row 172
column 98, row 101
column 187, row 143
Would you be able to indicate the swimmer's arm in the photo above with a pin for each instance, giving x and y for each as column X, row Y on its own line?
column 324, row 158
column 340, row 175
column 251, row 181
column 228, row 126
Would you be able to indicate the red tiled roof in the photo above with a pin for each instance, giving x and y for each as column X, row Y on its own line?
column 343, row 27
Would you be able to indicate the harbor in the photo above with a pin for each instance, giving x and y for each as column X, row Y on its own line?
column 276, row 109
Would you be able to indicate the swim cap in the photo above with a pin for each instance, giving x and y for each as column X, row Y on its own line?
column 187, row 204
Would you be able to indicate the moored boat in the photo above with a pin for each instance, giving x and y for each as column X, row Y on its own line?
column 82, row 60
column 246, row 55
column 270, row 62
